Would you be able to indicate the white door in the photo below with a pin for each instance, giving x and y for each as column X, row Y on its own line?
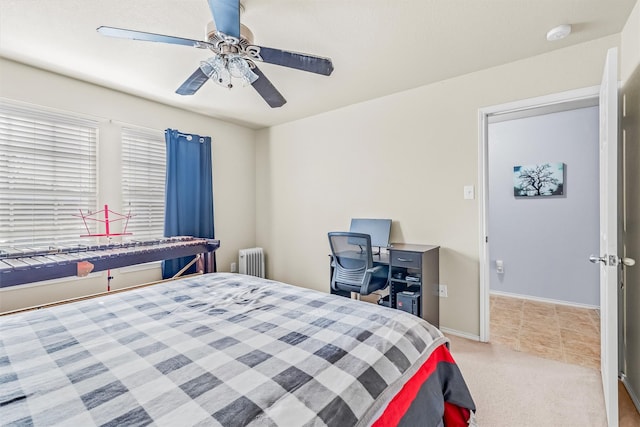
column 608, row 257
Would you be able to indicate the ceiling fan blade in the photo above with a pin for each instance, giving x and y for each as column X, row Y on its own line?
column 151, row 37
column 226, row 14
column 267, row 90
column 299, row 61
column 193, row 83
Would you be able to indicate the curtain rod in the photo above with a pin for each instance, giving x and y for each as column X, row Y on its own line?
column 189, row 137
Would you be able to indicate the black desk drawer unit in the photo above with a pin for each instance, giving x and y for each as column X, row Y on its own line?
column 405, row 259
column 415, row 269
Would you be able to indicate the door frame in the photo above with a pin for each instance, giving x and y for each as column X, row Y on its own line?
column 567, row 97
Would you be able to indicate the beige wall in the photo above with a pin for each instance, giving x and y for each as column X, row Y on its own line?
column 630, row 45
column 233, row 150
column 405, row 157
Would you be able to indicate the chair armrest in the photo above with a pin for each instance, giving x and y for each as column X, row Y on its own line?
column 375, row 269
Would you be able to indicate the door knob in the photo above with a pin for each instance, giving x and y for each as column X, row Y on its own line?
column 595, row 259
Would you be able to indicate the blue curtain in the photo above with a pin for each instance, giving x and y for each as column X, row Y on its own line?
column 189, row 192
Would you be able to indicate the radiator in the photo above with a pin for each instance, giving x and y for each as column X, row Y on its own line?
column 251, row 262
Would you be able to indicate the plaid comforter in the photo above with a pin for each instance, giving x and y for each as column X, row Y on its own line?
column 217, row 349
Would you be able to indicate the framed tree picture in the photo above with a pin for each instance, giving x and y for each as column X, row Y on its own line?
column 545, row 179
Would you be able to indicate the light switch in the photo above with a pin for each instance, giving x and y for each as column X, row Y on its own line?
column 468, row 192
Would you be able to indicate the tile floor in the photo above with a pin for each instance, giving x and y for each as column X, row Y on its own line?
column 558, row 332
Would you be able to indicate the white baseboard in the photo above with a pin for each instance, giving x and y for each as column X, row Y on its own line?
column 548, row 300
column 634, row 397
column 460, row 334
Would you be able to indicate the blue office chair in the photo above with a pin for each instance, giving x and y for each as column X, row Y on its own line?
column 352, row 263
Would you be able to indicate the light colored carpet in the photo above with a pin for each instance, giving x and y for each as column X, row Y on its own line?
column 514, row 389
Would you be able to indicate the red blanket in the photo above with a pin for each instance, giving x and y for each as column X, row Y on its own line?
column 435, row 393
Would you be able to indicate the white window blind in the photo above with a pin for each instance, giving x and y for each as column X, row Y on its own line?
column 47, row 174
column 143, row 182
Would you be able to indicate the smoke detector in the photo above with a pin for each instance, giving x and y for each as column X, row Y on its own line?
column 559, row 32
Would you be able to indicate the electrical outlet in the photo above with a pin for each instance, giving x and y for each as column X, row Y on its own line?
column 442, row 291
column 234, row 267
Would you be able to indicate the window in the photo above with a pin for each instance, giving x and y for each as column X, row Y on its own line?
column 47, row 175
column 49, row 171
column 143, row 182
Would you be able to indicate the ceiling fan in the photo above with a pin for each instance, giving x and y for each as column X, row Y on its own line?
column 235, row 55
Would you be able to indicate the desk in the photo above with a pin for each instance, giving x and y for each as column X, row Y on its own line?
column 411, row 268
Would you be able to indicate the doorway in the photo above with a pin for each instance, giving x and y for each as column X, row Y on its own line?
column 543, row 208
column 610, row 188
column 503, row 270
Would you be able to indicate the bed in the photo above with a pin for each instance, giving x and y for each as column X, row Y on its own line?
column 227, row 350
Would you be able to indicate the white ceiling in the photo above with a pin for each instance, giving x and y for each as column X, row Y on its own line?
column 378, row 47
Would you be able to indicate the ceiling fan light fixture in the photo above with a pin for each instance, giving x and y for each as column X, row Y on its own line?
column 223, row 68
column 237, row 66
column 216, row 69
column 208, row 67
column 240, row 69
column 213, row 67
